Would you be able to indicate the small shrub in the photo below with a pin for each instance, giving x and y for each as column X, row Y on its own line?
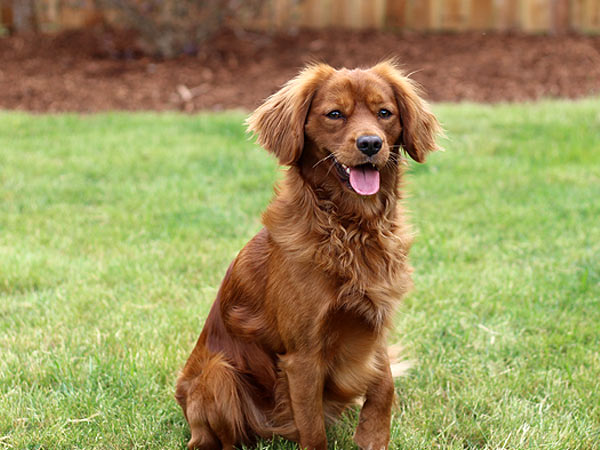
column 168, row 28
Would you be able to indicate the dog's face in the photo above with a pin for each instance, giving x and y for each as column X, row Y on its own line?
column 354, row 121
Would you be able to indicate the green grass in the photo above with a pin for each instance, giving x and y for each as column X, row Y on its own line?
column 116, row 229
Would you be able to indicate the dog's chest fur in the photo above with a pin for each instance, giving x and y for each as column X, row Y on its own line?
column 369, row 269
column 363, row 262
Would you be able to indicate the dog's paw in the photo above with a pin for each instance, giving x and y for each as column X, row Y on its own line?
column 370, row 440
column 372, row 446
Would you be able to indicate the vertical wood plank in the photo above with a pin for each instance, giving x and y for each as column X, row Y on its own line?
column 435, row 14
column 367, row 16
column 395, row 14
column 524, row 14
column 508, row 15
column 53, row 10
column 326, row 14
column 353, row 15
column 585, row 15
column 559, row 16
column 536, row 15
column 575, row 14
column 6, row 14
column 48, row 12
column 380, row 14
column 339, row 13
column 311, row 14
column 481, row 14
column 452, row 15
column 593, row 15
column 279, row 14
column 306, row 13
column 420, row 14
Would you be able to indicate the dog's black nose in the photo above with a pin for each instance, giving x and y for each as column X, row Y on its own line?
column 369, row 145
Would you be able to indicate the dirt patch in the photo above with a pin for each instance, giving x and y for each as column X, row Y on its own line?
column 104, row 70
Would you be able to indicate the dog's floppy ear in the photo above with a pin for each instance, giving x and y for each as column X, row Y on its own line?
column 419, row 126
column 279, row 121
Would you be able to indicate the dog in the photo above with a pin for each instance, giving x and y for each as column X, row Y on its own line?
column 297, row 332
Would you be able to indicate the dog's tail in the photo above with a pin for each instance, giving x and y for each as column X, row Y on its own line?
column 398, row 364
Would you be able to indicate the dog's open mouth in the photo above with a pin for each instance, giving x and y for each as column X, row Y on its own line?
column 362, row 179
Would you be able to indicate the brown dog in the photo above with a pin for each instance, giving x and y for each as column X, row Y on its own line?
column 298, row 329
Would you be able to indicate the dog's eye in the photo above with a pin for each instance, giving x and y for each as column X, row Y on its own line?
column 335, row 114
column 384, row 113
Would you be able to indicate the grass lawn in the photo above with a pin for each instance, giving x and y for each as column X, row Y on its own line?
column 116, row 229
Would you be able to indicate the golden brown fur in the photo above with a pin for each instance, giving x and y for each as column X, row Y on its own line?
column 298, row 329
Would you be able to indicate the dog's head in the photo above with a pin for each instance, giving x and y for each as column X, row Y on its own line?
column 352, row 121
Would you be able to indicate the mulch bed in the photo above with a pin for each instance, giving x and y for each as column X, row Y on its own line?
column 103, row 70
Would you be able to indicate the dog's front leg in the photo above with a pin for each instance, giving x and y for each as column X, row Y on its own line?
column 373, row 431
column 305, row 382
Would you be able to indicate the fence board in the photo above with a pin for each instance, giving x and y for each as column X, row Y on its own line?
column 576, row 14
column 559, row 16
column 436, row 14
column 452, row 15
column 508, row 15
column 367, row 14
column 6, row 14
column 339, row 13
column 354, row 16
column 535, row 15
column 310, row 14
column 420, row 14
column 380, row 7
column 481, row 15
column 395, row 14
column 592, row 13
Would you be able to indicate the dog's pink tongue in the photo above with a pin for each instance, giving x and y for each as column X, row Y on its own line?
column 364, row 180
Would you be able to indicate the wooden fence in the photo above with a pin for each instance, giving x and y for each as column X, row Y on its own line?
column 436, row 15
column 533, row 16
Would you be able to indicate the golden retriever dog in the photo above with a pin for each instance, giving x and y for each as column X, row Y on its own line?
column 298, row 330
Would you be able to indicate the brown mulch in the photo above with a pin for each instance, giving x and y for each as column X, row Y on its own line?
column 104, row 70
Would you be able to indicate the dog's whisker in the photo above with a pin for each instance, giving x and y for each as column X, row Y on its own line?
column 329, row 170
column 323, row 159
column 396, row 158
